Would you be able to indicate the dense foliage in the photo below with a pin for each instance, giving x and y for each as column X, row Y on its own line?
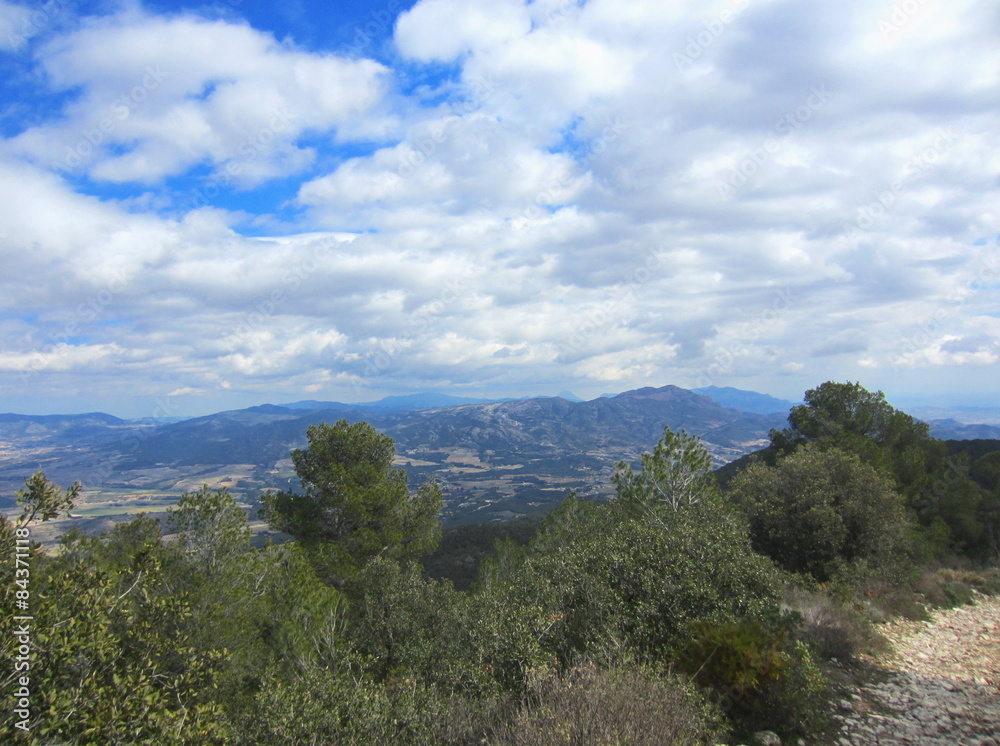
column 354, row 504
column 823, row 512
column 953, row 513
column 674, row 611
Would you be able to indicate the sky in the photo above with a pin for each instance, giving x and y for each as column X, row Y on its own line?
column 210, row 206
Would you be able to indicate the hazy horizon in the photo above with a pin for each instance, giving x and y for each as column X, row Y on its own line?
column 981, row 413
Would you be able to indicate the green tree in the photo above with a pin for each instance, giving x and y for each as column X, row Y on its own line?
column 113, row 665
column 821, row 511
column 111, row 656
column 627, row 577
column 854, row 419
column 354, row 504
column 41, row 500
column 212, row 528
column 937, row 489
column 833, row 409
column 986, row 471
column 675, row 474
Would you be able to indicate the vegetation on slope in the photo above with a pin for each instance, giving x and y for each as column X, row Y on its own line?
column 679, row 607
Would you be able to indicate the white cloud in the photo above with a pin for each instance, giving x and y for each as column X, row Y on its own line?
column 59, row 358
column 15, row 26
column 441, row 30
column 157, row 98
column 795, row 199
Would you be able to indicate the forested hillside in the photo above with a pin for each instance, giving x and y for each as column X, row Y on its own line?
column 681, row 611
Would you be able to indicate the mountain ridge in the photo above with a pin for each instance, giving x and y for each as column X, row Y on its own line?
column 505, row 457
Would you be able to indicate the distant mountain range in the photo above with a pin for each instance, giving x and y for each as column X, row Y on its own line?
column 493, row 458
column 951, row 429
column 746, row 401
column 414, row 402
column 407, row 403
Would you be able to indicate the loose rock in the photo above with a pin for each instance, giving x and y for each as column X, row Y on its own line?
column 945, row 687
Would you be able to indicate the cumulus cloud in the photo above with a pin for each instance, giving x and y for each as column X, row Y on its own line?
column 156, row 98
column 576, row 196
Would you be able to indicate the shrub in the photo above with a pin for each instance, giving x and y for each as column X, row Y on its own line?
column 589, row 705
column 882, row 602
column 758, row 675
column 823, row 513
column 625, row 579
column 326, row 706
column 631, row 574
column 948, row 587
column 832, row 627
column 958, row 594
column 408, row 626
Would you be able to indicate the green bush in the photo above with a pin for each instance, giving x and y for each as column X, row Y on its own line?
column 323, row 706
column 469, row 644
column 824, row 513
column 118, row 665
column 760, row 677
column 631, row 574
column 958, row 594
column 935, row 487
column 628, row 579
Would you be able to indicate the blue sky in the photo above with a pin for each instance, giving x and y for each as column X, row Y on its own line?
column 207, row 206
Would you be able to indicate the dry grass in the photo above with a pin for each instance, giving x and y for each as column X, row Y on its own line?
column 593, row 707
column 830, row 627
column 949, row 587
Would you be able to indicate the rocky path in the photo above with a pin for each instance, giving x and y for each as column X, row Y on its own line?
column 943, row 688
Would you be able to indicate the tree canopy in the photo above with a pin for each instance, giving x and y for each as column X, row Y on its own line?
column 354, row 505
column 952, row 512
column 821, row 512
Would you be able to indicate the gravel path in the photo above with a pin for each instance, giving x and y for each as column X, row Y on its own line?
column 944, row 684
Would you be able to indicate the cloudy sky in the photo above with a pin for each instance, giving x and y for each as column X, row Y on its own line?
column 207, row 206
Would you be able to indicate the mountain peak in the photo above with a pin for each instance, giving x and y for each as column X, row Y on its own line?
column 746, row 401
column 661, row 393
